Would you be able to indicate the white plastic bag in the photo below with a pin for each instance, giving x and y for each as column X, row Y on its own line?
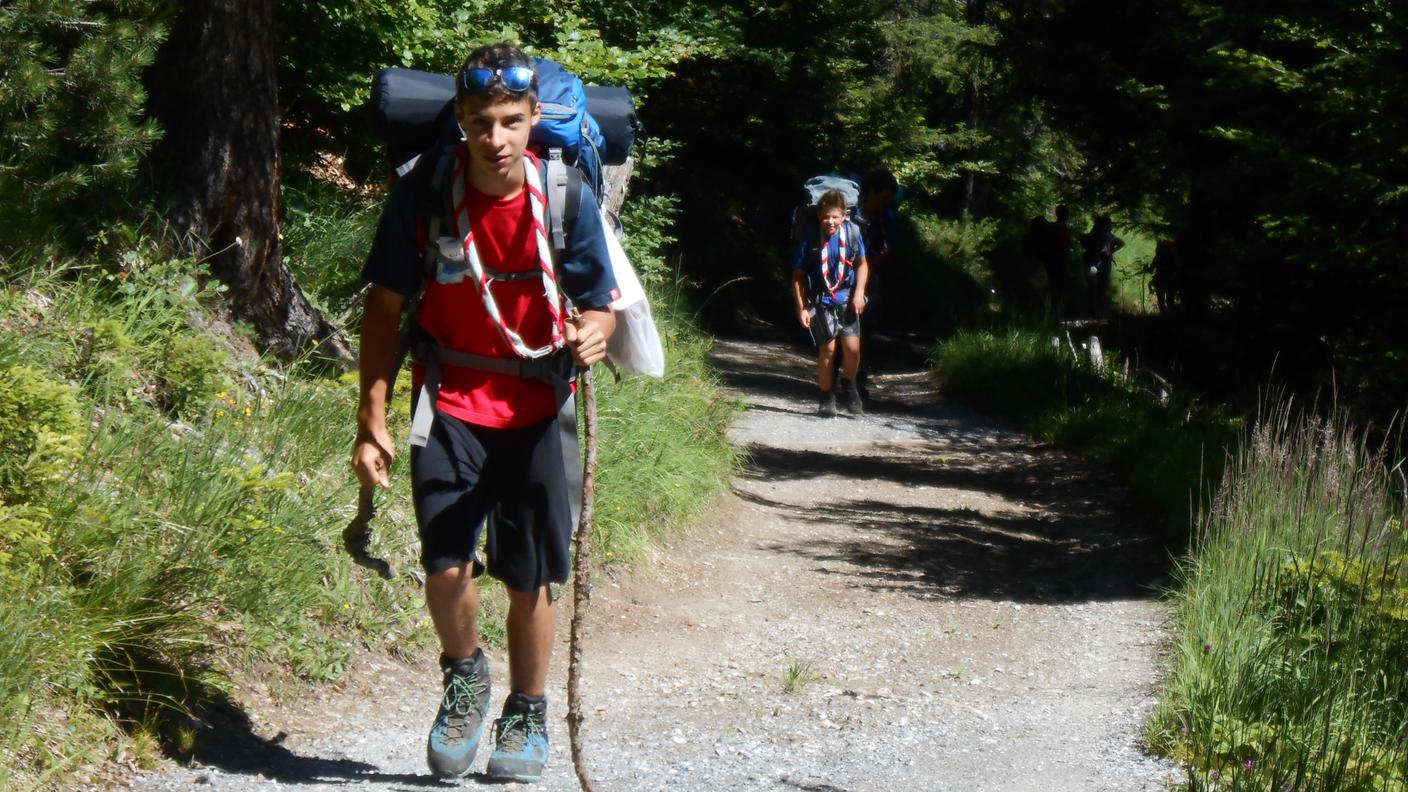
column 635, row 346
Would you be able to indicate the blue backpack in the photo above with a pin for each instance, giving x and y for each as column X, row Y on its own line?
column 566, row 124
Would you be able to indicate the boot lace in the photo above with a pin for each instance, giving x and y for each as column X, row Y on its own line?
column 460, row 706
column 512, row 732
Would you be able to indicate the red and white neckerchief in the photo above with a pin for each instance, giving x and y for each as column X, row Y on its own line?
column 533, row 184
column 842, row 264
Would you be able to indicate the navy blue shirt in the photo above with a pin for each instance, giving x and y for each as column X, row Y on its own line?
column 808, row 259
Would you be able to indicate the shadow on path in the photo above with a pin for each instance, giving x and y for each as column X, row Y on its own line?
column 227, row 742
column 1048, row 527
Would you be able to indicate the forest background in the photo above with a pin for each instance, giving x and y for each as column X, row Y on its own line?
column 168, row 166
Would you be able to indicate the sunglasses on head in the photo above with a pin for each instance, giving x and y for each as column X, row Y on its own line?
column 515, row 79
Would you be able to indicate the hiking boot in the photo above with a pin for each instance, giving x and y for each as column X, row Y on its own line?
column 454, row 737
column 520, row 739
column 827, row 407
column 853, row 405
column 863, row 385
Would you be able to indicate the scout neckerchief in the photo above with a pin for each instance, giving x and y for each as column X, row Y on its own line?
column 842, row 263
column 533, row 184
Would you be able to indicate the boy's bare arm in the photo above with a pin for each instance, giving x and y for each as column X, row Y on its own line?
column 862, row 278
column 588, row 334
column 799, row 300
column 374, row 450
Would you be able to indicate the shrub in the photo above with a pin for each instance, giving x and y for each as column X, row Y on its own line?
column 105, row 361
column 39, row 432
column 73, row 121
column 189, row 372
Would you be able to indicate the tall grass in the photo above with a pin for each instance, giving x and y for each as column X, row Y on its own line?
column 326, row 235
column 1291, row 660
column 664, row 453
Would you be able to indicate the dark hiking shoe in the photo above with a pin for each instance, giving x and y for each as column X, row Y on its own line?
column 520, row 739
column 827, row 407
column 863, row 385
column 454, row 737
column 853, row 405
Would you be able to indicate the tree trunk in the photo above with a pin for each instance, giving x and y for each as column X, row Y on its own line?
column 215, row 92
column 616, row 177
column 976, row 13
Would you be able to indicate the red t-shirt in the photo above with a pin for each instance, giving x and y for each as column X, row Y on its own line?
column 454, row 314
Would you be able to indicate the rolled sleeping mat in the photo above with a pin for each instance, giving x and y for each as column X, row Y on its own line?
column 615, row 112
column 411, row 110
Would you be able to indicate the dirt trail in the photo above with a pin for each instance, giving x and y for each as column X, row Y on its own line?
column 956, row 607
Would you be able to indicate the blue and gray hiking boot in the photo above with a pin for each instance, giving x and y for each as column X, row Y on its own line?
column 454, row 737
column 520, row 739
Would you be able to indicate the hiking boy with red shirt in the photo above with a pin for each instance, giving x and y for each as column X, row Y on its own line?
column 493, row 448
column 829, row 274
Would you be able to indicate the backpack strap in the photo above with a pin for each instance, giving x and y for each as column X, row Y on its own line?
column 563, row 185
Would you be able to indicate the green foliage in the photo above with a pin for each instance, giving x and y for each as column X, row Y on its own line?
column 189, row 374
column 40, row 433
column 72, row 111
column 330, row 50
column 1267, row 139
column 959, row 243
column 911, row 115
column 105, row 360
column 1130, row 278
column 1291, row 654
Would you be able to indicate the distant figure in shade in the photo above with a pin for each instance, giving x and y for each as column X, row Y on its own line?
column 1098, row 248
column 1036, row 245
column 1057, row 259
column 879, row 191
column 1166, row 275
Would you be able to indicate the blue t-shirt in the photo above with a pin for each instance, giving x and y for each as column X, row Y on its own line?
column 808, row 260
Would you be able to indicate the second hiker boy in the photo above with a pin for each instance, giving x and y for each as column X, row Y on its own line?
column 829, row 276
column 493, row 449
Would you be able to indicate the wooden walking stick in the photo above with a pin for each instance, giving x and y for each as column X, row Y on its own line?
column 616, row 177
column 582, row 580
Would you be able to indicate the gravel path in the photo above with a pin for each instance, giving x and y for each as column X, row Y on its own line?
column 917, row 599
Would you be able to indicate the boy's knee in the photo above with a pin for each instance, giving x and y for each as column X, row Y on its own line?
column 455, row 577
column 529, row 599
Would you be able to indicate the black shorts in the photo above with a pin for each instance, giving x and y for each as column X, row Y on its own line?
column 514, row 477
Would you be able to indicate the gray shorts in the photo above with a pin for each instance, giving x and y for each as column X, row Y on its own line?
column 830, row 321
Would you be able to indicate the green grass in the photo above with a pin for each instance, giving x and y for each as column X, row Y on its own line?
column 197, row 534
column 1166, row 451
column 1129, row 281
column 664, row 454
column 1290, row 665
column 326, row 236
column 798, row 675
